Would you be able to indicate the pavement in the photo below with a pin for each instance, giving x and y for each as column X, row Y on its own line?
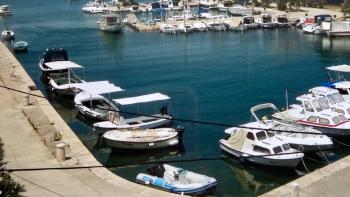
column 30, row 131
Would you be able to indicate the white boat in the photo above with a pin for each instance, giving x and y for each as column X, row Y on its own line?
column 217, row 26
column 249, row 22
column 177, row 180
column 261, row 147
column 309, row 29
column 5, row 10
column 142, row 139
column 281, row 20
column 239, row 10
column 265, row 21
column 95, row 7
column 7, row 35
column 184, row 28
column 200, row 26
column 20, row 46
column 116, row 121
column 167, row 28
column 338, row 81
column 111, row 23
column 333, row 98
column 303, row 139
column 224, row 6
column 91, row 104
column 314, row 111
column 64, row 83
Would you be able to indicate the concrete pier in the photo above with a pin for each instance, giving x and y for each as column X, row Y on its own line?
column 30, row 133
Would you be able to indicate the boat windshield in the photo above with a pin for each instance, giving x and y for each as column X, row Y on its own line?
column 331, row 99
column 261, row 135
column 270, row 133
column 285, row 147
column 338, row 98
column 342, row 118
column 323, row 103
column 336, row 120
column 317, row 105
column 277, row 149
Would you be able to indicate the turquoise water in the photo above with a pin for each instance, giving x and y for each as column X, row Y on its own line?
column 213, row 76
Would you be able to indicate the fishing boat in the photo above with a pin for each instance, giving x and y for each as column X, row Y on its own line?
column 302, row 138
column 333, row 98
column 142, row 139
column 184, row 28
column 20, row 46
column 7, row 35
column 65, row 84
column 167, row 28
column 95, row 7
column 281, row 20
column 177, row 180
column 200, row 26
column 217, row 26
column 314, row 111
column 90, row 103
column 249, row 22
column 260, row 147
column 117, row 121
column 5, row 10
column 338, row 81
column 265, row 21
column 111, row 23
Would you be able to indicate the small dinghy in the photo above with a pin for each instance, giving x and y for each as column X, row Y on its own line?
column 20, row 46
column 142, row 139
column 7, row 35
column 177, row 180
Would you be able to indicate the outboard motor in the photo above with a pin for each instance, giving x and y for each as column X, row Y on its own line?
column 156, row 170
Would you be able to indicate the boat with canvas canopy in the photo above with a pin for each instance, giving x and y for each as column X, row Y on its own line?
column 338, row 80
column 116, row 121
column 177, row 180
column 90, row 103
column 261, row 147
column 302, row 139
column 142, row 139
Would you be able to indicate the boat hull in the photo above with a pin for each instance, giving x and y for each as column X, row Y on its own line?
column 290, row 163
column 143, row 145
column 111, row 28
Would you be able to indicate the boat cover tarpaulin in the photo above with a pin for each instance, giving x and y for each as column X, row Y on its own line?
column 60, row 65
column 237, row 139
column 98, row 87
column 142, row 99
column 340, row 68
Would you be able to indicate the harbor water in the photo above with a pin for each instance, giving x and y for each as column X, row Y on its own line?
column 210, row 76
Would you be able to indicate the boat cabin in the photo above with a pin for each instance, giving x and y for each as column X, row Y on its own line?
column 266, row 18
column 248, row 20
column 53, row 55
column 282, row 18
column 110, row 19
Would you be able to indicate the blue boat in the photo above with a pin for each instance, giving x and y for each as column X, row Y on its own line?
column 177, row 180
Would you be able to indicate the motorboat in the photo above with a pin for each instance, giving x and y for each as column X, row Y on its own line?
column 167, row 28
column 224, row 6
column 265, row 21
column 177, row 180
column 217, row 26
column 333, row 98
column 142, row 139
column 239, row 10
column 7, row 35
column 5, row 10
column 249, row 22
column 64, row 84
column 90, row 103
column 57, row 55
column 20, row 46
column 314, row 111
column 117, row 121
column 281, row 20
column 95, row 7
column 111, row 23
column 338, row 81
column 184, row 28
column 309, row 29
column 261, row 147
column 301, row 138
column 200, row 26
